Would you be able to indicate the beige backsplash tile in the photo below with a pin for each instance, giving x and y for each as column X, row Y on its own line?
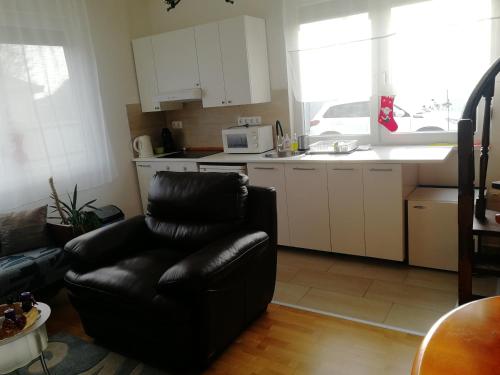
column 202, row 126
column 149, row 123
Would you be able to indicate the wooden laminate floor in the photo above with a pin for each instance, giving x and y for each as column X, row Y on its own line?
column 292, row 342
column 389, row 293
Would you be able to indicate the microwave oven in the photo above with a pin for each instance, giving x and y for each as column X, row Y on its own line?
column 248, row 139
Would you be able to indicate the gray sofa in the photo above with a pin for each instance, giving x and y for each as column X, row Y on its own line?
column 33, row 270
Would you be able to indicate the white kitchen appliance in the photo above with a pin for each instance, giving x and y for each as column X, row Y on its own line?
column 248, row 139
column 224, row 168
column 143, row 146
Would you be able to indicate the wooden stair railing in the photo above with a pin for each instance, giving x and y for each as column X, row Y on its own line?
column 473, row 217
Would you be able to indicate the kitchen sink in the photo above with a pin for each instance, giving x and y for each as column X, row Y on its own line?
column 283, row 154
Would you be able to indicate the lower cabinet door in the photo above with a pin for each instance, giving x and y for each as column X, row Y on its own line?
column 433, row 235
column 145, row 173
column 384, row 211
column 308, row 212
column 273, row 175
column 345, row 188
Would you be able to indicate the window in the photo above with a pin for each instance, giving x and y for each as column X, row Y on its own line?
column 431, row 75
column 347, row 118
column 331, row 84
column 51, row 120
column 429, row 54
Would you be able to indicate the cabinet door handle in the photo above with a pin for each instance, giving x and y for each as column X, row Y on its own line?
column 265, row 168
column 343, row 169
column 229, row 101
column 144, row 165
column 380, row 169
column 304, row 169
column 419, row 207
column 185, row 169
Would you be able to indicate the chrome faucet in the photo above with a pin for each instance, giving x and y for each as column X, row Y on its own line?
column 279, row 136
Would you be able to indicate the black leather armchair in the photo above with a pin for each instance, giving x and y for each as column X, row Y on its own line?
column 183, row 281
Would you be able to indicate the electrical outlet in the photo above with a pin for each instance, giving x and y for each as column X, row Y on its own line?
column 254, row 120
column 177, row 124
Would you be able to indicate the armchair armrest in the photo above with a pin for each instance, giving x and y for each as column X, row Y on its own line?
column 194, row 272
column 93, row 248
column 262, row 211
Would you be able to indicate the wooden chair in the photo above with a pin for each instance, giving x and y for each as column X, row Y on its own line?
column 473, row 217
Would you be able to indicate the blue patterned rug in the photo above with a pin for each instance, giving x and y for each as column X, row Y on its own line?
column 69, row 355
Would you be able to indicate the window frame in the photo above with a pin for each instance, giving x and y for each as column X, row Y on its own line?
column 380, row 66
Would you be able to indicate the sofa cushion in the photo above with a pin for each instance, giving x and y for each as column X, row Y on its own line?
column 51, row 264
column 129, row 285
column 24, row 230
column 31, row 270
column 16, row 275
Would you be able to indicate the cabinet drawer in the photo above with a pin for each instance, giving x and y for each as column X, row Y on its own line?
column 308, row 212
column 273, row 175
column 384, row 211
column 345, row 189
column 176, row 166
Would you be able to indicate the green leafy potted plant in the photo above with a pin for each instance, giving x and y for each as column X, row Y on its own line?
column 77, row 219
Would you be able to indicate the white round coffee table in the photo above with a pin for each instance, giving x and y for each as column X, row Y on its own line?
column 18, row 351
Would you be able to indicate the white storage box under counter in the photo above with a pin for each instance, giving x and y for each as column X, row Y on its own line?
column 433, row 228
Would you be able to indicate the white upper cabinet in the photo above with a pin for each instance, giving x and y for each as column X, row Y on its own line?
column 233, row 61
column 228, row 60
column 210, row 63
column 146, row 73
column 175, row 60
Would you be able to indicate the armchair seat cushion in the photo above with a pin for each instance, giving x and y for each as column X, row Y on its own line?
column 129, row 285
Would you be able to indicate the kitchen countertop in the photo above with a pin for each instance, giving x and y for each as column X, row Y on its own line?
column 378, row 154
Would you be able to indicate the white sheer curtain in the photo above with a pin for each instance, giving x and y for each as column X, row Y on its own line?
column 51, row 118
column 344, row 54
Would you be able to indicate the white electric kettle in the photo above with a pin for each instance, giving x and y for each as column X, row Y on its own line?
column 143, row 146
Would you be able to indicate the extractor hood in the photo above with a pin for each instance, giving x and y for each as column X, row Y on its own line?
column 187, row 95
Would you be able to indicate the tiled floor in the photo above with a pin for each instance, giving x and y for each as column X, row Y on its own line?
column 393, row 294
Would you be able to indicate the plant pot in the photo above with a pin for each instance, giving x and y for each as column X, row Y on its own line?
column 61, row 233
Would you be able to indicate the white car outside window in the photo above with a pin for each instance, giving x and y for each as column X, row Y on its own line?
column 353, row 118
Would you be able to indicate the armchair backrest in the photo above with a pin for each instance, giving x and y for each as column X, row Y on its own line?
column 188, row 210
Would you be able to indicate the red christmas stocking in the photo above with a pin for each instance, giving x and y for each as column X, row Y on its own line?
column 386, row 114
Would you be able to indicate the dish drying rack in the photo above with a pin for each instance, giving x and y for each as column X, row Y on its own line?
column 333, row 147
